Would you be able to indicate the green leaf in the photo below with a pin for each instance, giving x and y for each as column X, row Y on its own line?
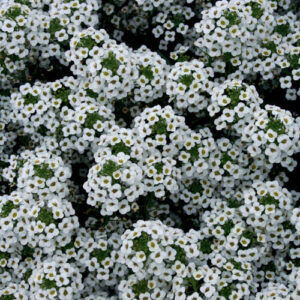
column 91, row 93
column 7, row 297
column 228, row 225
column 27, row 274
column 195, row 187
column 276, row 125
column 4, row 255
column 86, row 42
column 91, row 120
column 293, row 60
column 226, row 291
column 101, row 254
column 205, row 246
column 177, row 19
column 160, row 127
column 237, row 265
column 43, row 171
column 268, row 200
column 6, row 209
column 3, row 164
column 283, row 29
column 59, row 133
column 269, row 267
column 109, row 168
column 30, row 99
column 250, row 236
column 270, row 46
column 111, row 63
column 27, row 252
column 194, row 152
column 193, row 285
column 55, row 26
column 140, row 287
column 180, row 254
column 233, row 203
column 42, row 130
column 140, row 243
column 159, row 167
column 120, row 147
column 225, row 158
column 46, row 216
column 232, row 17
column 187, row 80
column 13, row 12
column 147, row 72
column 48, row 284
column 234, row 94
column 63, row 94
column 257, row 10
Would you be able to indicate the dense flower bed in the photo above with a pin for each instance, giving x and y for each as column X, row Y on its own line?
column 147, row 149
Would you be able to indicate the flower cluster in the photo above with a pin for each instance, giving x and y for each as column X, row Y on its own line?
column 147, row 150
column 243, row 38
column 28, row 36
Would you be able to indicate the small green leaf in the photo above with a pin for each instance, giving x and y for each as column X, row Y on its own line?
column 27, row 252
column 140, row 243
column 86, row 42
column 27, row 274
column 283, row 29
column 13, row 12
column 30, row 99
column 257, row 10
column 268, row 200
column 276, row 125
column 160, row 127
column 111, row 63
column 226, row 291
column 101, row 254
column 232, row 17
column 120, row 147
column 205, row 246
column 140, row 287
column 7, row 297
column 43, row 171
column 233, row 203
column 48, row 284
column 228, row 225
column 63, row 94
column 147, row 72
column 194, row 152
column 109, row 168
column 187, row 80
column 91, row 93
column 269, row 267
column 196, row 187
column 159, row 167
column 180, row 254
column 91, row 120
column 270, row 46
column 46, row 216
column 4, row 255
column 55, row 26
column 234, row 94
column 6, row 209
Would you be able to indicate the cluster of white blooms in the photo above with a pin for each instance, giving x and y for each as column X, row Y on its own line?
column 189, row 85
column 66, row 111
column 114, row 70
column 246, row 38
column 36, row 31
column 147, row 150
column 38, row 211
